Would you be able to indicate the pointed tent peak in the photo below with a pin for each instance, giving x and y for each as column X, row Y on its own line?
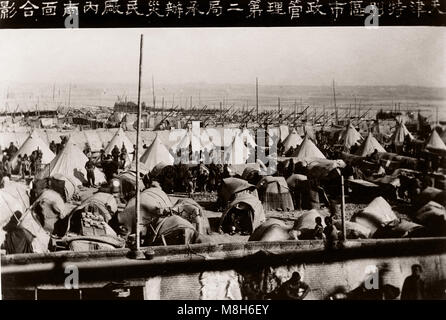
column 369, row 145
column 435, row 142
column 308, row 150
column 120, row 138
column 292, row 140
column 32, row 143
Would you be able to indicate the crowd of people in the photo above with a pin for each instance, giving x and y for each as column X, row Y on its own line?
column 25, row 166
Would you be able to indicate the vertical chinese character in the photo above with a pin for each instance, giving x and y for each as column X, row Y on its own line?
column 154, row 9
column 193, row 9
column 396, row 8
column 435, row 6
column 337, row 9
column 132, row 7
column 174, row 9
column 275, row 8
column 356, row 8
column 89, row 6
column 49, row 9
column 7, row 11
column 295, row 9
column 215, row 8
column 315, row 8
column 254, row 9
column 111, row 6
column 417, row 7
column 71, row 9
column 28, row 9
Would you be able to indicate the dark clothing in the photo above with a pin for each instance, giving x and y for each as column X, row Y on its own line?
column 115, row 154
column 413, row 288
column 290, row 290
column 110, row 168
column 18, row 240
column 89, row 166
column 331, row 233
column 318, row 231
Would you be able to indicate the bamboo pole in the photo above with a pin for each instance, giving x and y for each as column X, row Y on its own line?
column 138, row 254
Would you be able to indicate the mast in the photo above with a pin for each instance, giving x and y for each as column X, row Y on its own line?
column 69, row 96
column 162, row 106
column 334, row 101
column 153, row 90
column 257, row 100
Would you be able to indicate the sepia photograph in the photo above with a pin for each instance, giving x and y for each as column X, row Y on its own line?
column 223, row 164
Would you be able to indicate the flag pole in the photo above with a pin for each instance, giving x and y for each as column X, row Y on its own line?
column 137, row 254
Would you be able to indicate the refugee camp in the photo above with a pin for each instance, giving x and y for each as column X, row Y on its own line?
column 265, row 191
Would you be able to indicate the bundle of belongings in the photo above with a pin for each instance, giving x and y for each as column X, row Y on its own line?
column 161, row 226
column 63, row 185
column 86, row 228
column 382, row 222
column 274, row 194
column 243, row 215
column 231, row 188
column 190, row 210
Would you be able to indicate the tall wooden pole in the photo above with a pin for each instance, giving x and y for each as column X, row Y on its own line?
column 138, row 131
column 343, row 237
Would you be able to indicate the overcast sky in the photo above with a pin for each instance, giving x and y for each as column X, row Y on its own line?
column 295, row 56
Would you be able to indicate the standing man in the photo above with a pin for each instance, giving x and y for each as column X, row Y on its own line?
column 413, row 287
column 89, row 166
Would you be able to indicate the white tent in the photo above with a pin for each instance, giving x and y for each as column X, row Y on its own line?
column 435, row 142
column 308, row 150
column 31, row 144
column 156, row 153
column 293, row 140
column 236, row 153
column 70, row 162
column 369, row 146
column 350, row 136
column 400, row 134
column 118, row 140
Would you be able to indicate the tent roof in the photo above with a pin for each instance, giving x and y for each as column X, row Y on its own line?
column 400, row 134
column 237, row 152
column 70, row 162
column 32, row 143
column 369, row 145
column 292, row 140
column 350, row 136
column 156, row 153
column 253, row 202
column 435, row 142
column 307, row 150
column 118, row 139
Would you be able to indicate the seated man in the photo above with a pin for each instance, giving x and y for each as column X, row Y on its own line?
column 293, row 289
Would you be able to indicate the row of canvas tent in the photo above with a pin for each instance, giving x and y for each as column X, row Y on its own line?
column 71, row 161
